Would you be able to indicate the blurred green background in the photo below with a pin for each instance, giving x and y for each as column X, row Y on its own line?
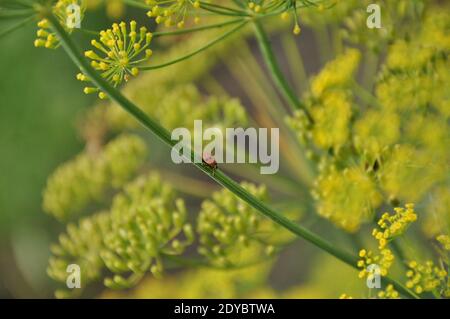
column 39, row 103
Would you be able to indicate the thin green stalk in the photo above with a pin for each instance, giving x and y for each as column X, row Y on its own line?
column 203, row 48
column 257, row 87
column 137, row 4
column 222, row 11
column 180, row 31
column 17, row 4
column 219, row 7
column 295, row 61
column 217, row 175
column 399, row 252
column 195, row 29
column 188, row 185
column 365, row 95
column 14, row 14
column 201, row 263
column 323, row 41
column 15, row 27
column 275, row 72
column 370, row 69
column 86, row 31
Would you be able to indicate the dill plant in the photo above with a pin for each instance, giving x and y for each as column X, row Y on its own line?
column 367, row 133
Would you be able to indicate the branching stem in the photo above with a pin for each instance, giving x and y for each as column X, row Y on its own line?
column 275, row 71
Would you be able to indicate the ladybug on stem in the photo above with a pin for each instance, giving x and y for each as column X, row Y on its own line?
column 210, row 161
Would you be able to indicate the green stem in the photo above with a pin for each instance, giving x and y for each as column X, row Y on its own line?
column 188, row 185
column 14, row 14
column 365, row 95
column 219, row 7
column 195, row 29
column 15, row 4
column 225, row 12
column 137, row 4
column 217, row 175
column 15, row 27
column 295, row 61
column 203, row 48
column 275, row 72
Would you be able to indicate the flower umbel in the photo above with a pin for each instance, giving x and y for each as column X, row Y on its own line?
column 123, row 52
column 172, row 12
column 388, row 293
column 63, row 10
column 146, row 223
column 228, row 228
column 384, row 260
column 394, row 225
column 427, row 277
column 86, row 178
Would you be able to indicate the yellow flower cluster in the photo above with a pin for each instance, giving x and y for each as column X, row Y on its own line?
column 65, row 15
column 408, row 172
column 388, row 293
column 427, row 277
column 431, row 43
column 175, row 83
column 78, row 182
column 444, row 240
column 330, row 104
column 417, row 69
column 331, row 118
column 348, row 198
column 417, row 91
column 384, row 260
column 394, row 225
column 80, row 245
column 337, row 73
column 317, row 16
column 410, row 98
column 391, row 227
column 228, row 228
column 122, row 52
column 375, row 131
column 395, row 18
column 172, row 12
column 263, row 6
column 437, row 211
column 145, row 223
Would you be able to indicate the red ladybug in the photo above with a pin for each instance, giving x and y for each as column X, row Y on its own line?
column 209, row 160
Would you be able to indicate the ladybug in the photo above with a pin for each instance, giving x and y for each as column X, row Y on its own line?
column 210, row 161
